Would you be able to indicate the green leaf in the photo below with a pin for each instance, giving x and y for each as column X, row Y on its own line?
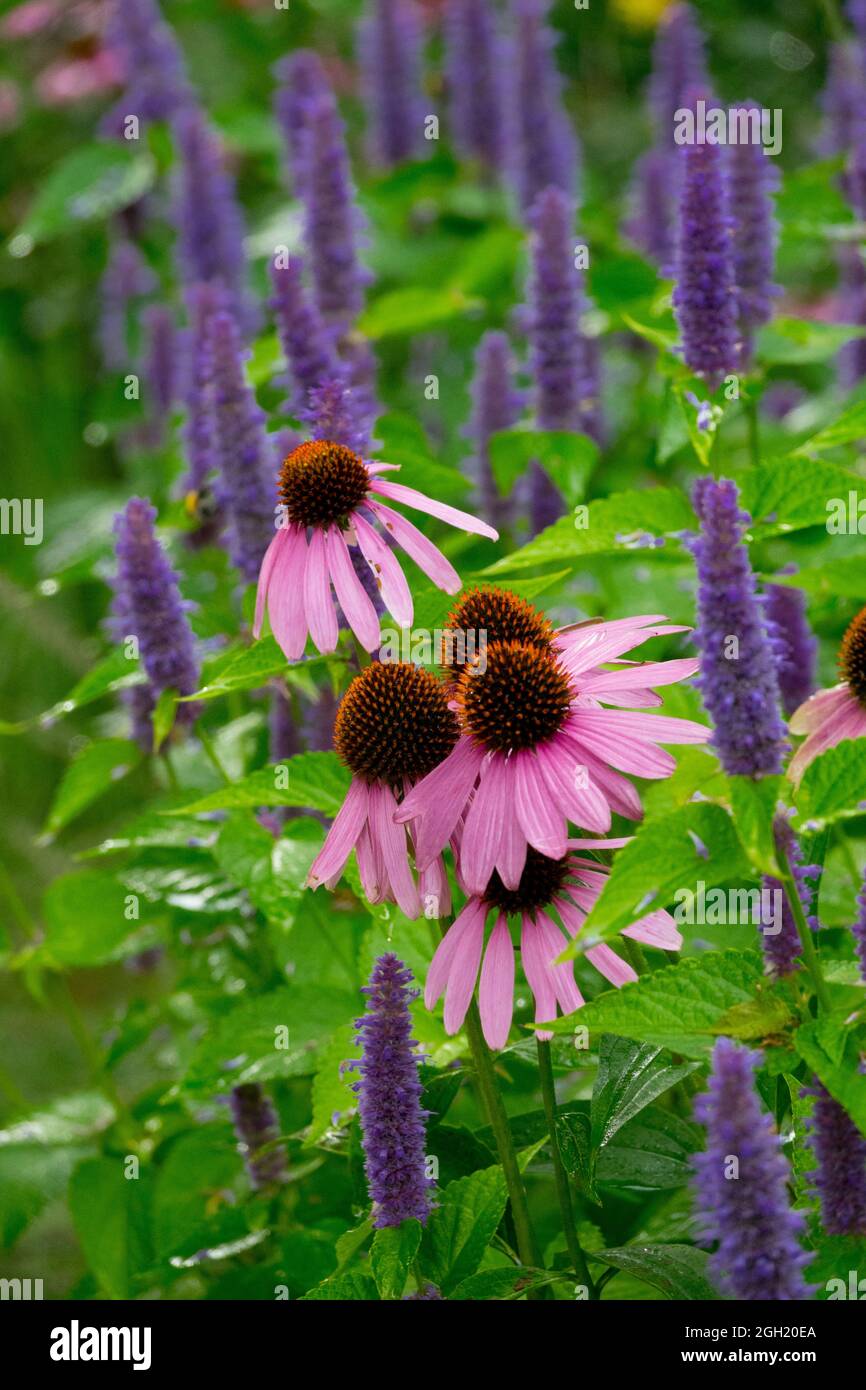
column 344, row 1288
column 88, row 919
column 110, row 1216
column 414, row 309
column 318, row 780
column 90, row 183
column 654, row 1150
column 679, row 1271
column 678, row 1006
column 663, row 859
column 624, row 521
column 800, row 341
column 775, row 498
column 462, row 1226
column 113, row 673
column 67, row 1120
column 753, row 803
column 351, row 1242
column 163, row 716
column 394, row 1249
column 848, row 427
column 199, row 1165
column 31, row 1176
column 831, row 1050
column 629, row 1078
column 332, row 1093
column 247, row 670
column 573, row 1133
column 616, row 280
column 508, row 1282
column 834, row 785
column 93, row 770
column 567, row 458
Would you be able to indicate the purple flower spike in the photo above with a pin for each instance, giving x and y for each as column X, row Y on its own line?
column 741, row 1186
column 859, row 931
column 843, row 98
column 390, row 49
column 476, row 64
column 210, row 226
column 302, row 83
column 161, row 367
column 246, row 488
column 331, row 412
column 705, row 299
column 496, row 405
column 548, row 153
column 256, row 1126
column 840, row 1177
column 783, row 947
column 127, row 278
column 157, row 86
column 794, row 645
column 738, row 674
column 202, row 301
column 389, row 1105
column 147, row 605
column 650, row 224
column 679, row 66
column 306, row 343
column 332, row 220
column 427, row 1294
column 752, row 181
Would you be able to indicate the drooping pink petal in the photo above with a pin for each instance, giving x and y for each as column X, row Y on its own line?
column 271, row 555
column 511, row 858
column 391, row 839
column 611, row 966
column 597, row 645
column 286, row 595
column 398, row 492
column 571, row 787
column 371, row 867
column 463, row 974
column 656, row 929
column 845, row 721
column 627, row 754
column 553, row 943
column 614, row 842
column 318, row 604
column 443, row 958
column 342, row 836
column 435, row 889
column 819, row 707
column 439, row 799
column 541, row 821
column 620, row 794
column 483, row 827
column 355, row 603
column 496, row 991
column 389, row 576
column 426, row 555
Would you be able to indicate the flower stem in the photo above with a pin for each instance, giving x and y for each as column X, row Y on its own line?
column 810, row 955
column 527, row 1246
column 563, row 1192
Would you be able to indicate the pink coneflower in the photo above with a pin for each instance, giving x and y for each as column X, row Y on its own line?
column 566, row 887
column 330, row 496
column 537, row 749
column 393, row 725
column 830, row 716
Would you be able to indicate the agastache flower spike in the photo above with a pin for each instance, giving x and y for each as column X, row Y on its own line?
column 157, row 87
column 752, row 179
column 390, row 51
column 257, row 1127
column 838, row 713
column 496, row 405
column 745, row 1209
column 393, row 725
column 548, row 153
column 202, row 302
column 161, row 368
column 794, row 645
column 738, row 675
column 858, row 931
column 549, row 889
column 476, row 64
column 704, row 299
column 649, row 224
column 679, row 66
column 242, row 451
column 210, row 226
column 328, row 492
column 840, row 1177
column 302, row 83
column 306, row 343
column 782, row 948
column 332, row 220
column 389, row 1099
column 127, row 278
column 537, row 748
column 147, row 606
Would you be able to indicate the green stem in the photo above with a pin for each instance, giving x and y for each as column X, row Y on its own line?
column 754, row 435
column 170, row 771
column 19, row 911
column 810, row 955
column 527, row 1246
column 213, row 757
column 563, row 1192
column 834, row 20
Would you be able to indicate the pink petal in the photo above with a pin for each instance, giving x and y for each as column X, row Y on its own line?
column 440, row 798
column 641, row 675
column 618, row 791
column 410, row 498
column 541, row 822
column 389, row 576
column 611, row 966
column 355, row 603
column 342, row 836
column 656, row 929
column 496, row 991
column 511, row 858
column 463, row 974
column 265, row 573
column 567, row 992
column 318, row 604
column 435, row 889
column 286, row 595
column 391, row 839
column 426, row 555
column 845, row 721
column 819, row 707
column 654, row 728
column 627, row 754
column 443, row 958
column 371, row 867
column 484, row 826
column 570, row 786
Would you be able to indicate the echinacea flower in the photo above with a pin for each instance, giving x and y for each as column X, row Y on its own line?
column 548, row 888
column 389, row 1099
column 329, row 491
column 537, row 748
column 838, row 713
column 840, row 1177
column 393, row 725
column 745, row 1207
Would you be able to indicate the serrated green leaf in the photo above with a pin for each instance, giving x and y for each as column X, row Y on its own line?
column 508, row 1282
column 88, row 919
column 318, row 780
column 343, row 1288
column 68, row 1120
column 573, row 1133
column 775, row 498
column 110, row 1215
column 394, row 1248
column 831, row 1050
column 93, row 771
column 834, row 785
column 462, row 1226
column 654, row 1150
column 753, row 803
column 567, row 458
column 679, row 1271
